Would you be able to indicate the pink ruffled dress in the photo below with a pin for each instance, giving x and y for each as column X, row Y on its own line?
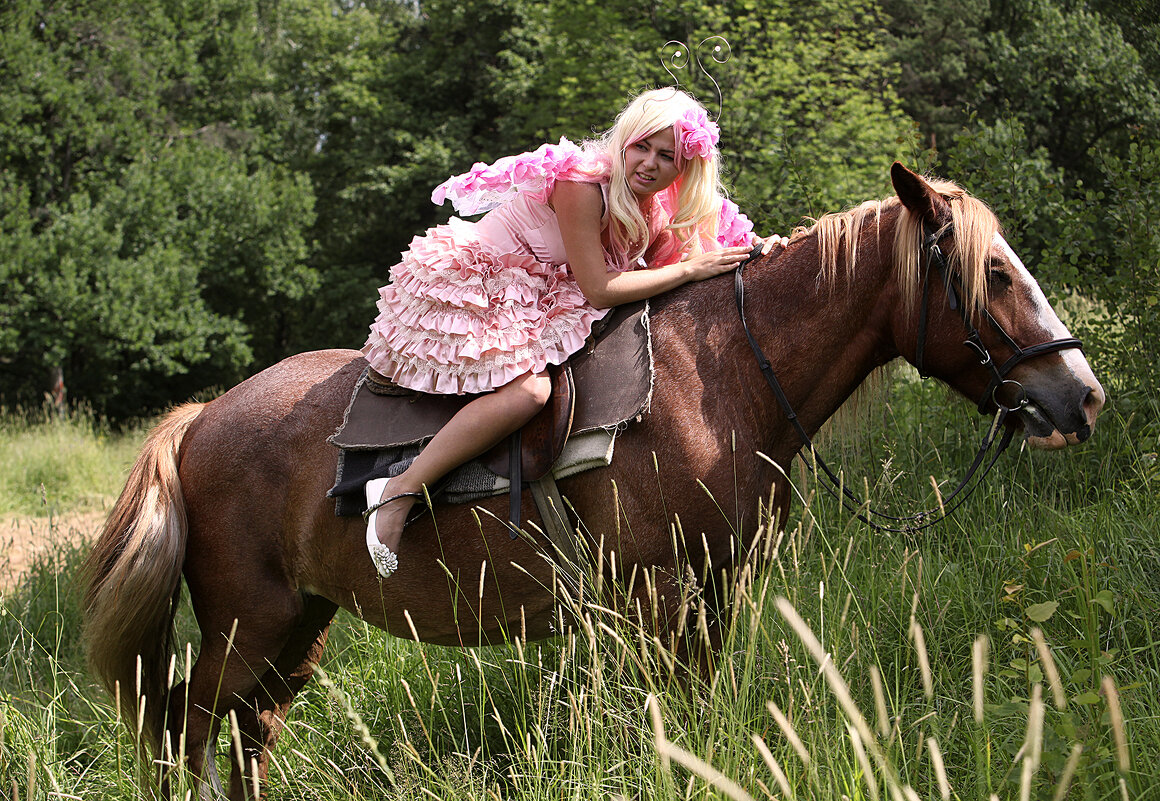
column 473, row 305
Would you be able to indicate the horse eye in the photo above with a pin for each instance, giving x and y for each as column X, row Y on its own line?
column 998, row 279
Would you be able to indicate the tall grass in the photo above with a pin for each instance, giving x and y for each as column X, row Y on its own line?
column 1011, row 652
column 53, row 463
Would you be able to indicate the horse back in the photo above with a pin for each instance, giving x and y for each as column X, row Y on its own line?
column 255, row 467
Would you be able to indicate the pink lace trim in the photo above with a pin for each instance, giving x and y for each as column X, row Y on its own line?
column 460, row 317
column 414, row 362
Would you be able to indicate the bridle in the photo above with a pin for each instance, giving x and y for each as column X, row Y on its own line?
column 934, row 260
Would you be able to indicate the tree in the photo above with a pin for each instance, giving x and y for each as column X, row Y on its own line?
column 810, row 119
column 146, row 242
column 941, row 52
column 393, row 101
column 810, row 122
column 79, row 96
column 165, row 286
column 1069, row 74
column 1073, row 81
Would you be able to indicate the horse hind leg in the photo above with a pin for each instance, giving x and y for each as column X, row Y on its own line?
column 236, row 654
column 190, row 744
column 266, row 709
column 197, row 709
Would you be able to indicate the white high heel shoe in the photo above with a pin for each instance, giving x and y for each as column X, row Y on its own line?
column 384, row 559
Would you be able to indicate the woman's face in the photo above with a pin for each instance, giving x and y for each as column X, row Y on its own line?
column 650, row 164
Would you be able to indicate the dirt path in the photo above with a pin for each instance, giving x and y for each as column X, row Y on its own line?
column 22, row 538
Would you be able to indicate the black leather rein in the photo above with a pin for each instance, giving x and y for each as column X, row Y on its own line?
column 934, row 259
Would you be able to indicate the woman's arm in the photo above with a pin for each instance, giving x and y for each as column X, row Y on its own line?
column 578, row 209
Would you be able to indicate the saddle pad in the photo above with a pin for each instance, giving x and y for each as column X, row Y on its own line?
column 613, row 377
column 471, row 482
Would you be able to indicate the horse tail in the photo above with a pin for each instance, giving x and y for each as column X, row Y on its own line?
column 133, row 581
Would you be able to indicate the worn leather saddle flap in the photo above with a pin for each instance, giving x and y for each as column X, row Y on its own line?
column 613, row 383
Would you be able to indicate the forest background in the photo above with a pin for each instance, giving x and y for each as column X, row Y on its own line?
column 191, row 190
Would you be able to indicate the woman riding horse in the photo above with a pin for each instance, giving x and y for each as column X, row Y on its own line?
column 231, row 493
column 484, row 308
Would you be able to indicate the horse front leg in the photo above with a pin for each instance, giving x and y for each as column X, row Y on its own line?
column 667, row 609
column 706, row 587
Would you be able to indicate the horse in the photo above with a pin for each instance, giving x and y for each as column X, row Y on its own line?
column 231, row 494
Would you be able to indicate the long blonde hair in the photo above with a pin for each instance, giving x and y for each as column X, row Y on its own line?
column 694, row 198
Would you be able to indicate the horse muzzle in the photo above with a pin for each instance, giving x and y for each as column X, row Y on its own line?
column 1056, row 417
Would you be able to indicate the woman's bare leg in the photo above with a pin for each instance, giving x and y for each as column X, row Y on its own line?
column 474, row 430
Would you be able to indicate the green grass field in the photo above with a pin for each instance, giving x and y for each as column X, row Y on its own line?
column 1011, row 652
column 53, row 464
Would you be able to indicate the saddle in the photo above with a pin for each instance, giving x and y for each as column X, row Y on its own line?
column 606, row 383
column 538, row 444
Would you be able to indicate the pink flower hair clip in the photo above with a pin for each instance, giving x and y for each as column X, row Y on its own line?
column 696, row 134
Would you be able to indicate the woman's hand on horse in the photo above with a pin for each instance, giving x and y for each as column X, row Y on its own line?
column 715, row 262
column 772, row 241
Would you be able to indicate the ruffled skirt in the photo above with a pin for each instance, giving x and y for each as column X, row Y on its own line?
column 459, row 316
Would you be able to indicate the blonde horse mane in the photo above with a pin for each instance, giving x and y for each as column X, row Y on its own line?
column 975, row 226
column 839, row 234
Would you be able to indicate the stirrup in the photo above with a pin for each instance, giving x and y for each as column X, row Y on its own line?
column 374, row 507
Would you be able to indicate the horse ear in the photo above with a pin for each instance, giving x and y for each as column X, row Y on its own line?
column 917, row 195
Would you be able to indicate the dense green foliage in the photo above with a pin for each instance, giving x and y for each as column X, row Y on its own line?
column 151, row 246
column 191, row 190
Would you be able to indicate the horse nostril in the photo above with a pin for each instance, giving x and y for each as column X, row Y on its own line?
column 1093, row 402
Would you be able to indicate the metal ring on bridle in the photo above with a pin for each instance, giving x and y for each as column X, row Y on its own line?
column 1022, row 395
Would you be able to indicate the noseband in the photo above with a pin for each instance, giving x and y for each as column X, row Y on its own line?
column 934, row 259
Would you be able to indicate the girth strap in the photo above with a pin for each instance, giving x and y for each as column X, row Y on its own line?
column 554, row 513
column 516, row 476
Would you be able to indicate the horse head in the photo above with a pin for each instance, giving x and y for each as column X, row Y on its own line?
column 973, row 316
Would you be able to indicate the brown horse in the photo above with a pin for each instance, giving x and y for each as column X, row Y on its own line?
column 232, row 493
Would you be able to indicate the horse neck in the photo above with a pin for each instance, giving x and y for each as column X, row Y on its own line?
column 824, row 338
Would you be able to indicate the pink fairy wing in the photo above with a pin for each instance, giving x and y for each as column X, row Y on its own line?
column 733, row 227
column 487, row 186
